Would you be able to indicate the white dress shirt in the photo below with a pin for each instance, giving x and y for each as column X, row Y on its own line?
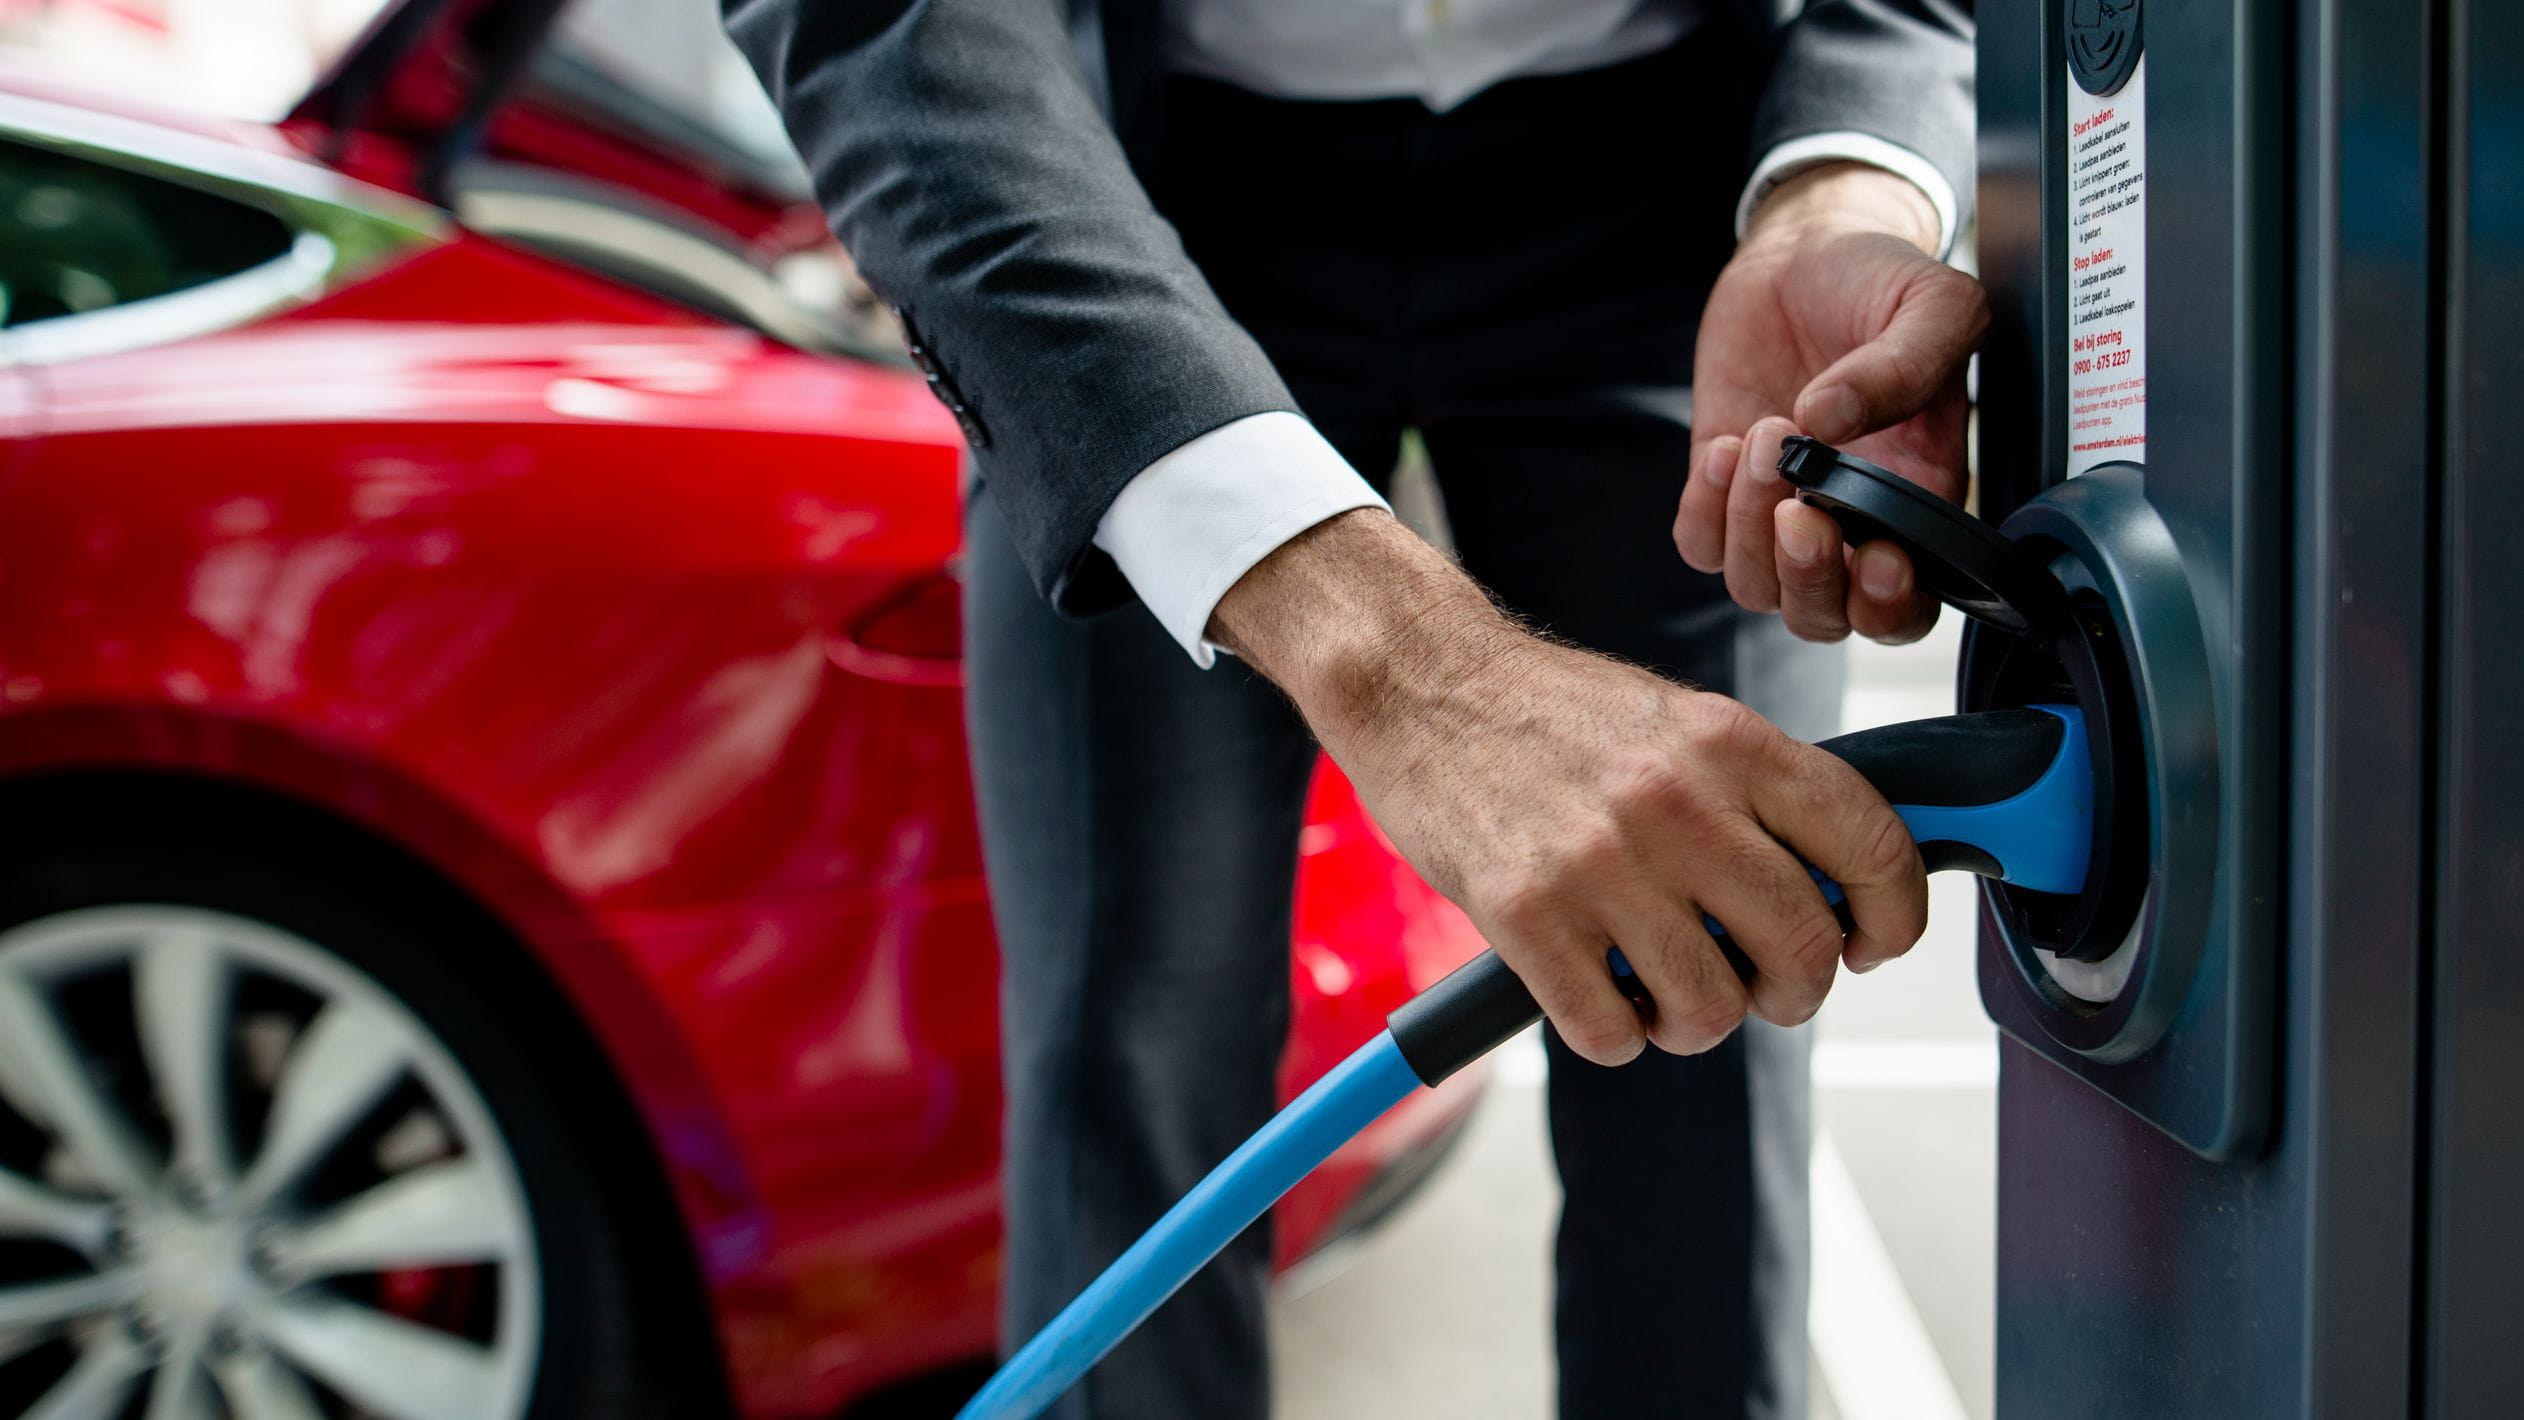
column 1189, row 525
column 1440, row 52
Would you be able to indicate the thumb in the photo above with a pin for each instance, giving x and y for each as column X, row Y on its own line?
column 1934, row 326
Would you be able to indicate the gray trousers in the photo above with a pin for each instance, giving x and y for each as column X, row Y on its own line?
column 1140, row 816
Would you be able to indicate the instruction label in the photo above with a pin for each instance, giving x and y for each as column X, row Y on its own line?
column 2107, row 273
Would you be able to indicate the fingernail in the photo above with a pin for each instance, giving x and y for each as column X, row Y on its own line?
column 1765, row 470
column 1798, row 542
column 1833, row 413
column 1863, row 967
column 1880, row 573
column 1718, row 465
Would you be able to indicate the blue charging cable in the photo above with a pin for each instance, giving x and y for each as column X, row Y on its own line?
column 1374, row 1079
column 2013, row 799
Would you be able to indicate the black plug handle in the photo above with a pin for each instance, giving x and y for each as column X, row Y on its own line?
column 2002, row 793
column 1958, row 559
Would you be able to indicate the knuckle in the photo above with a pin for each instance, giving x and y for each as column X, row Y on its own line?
column 1819, row 625
column 1809, row 952
column 1690, row 1027
column 1814, row 591
column 1884, row 851
column 1605, row 1038
column 1742, row 735
column 1695, row 512
column 1972, row 296
column 1908, row 367
column 1523, row 904
column 1665, row 1035
column 1752, row 501
column 1649, row 781
column 1595, row 842
column 1783, row 1009
column 1750, row 590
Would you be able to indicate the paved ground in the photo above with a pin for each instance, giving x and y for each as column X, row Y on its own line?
column 1443, row 1313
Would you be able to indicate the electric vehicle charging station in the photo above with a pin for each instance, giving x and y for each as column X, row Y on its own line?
column 2258, row 271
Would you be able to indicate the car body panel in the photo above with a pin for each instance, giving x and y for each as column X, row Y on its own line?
column 17, row 416
column 575, row 595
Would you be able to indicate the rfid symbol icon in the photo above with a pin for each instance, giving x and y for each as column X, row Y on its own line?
column 2103, row 43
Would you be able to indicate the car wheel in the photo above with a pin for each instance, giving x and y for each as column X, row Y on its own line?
column 272, row 1149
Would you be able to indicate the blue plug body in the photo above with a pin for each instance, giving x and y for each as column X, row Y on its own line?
column 2023, row 812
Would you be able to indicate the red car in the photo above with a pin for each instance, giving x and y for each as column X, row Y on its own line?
column 490, row 915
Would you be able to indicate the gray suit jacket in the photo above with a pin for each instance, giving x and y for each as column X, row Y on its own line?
column 970, row 155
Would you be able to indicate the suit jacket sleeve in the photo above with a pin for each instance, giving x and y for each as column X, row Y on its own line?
column 1900, row 70
column 966, row 164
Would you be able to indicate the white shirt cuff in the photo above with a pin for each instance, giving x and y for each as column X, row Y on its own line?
column 1815, row 149
column 1189, row 525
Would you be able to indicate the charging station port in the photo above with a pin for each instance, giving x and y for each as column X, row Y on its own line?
column 2080, row 662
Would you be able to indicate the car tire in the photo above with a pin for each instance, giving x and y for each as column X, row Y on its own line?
column 547, row 1277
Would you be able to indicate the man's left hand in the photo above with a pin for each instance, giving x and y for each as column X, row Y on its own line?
column 1834, row 319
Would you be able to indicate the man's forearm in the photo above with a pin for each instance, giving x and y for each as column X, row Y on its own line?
column 1341, row 614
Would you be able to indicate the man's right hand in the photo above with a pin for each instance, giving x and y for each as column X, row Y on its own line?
column 1569, row 802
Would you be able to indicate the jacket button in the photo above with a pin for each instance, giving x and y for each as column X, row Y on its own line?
column 911, row 341
column 939, row 384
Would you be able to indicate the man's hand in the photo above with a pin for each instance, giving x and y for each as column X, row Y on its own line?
column 1570, row 803
column 1834, row 319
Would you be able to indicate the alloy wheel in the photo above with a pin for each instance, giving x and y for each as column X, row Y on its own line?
column 238, row 1177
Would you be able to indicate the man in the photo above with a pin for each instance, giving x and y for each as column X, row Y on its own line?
column 1186, row 271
